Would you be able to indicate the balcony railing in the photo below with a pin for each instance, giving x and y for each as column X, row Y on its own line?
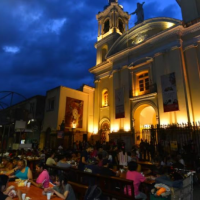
column 137, row 92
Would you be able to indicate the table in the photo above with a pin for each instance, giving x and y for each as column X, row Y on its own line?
column 33, row 192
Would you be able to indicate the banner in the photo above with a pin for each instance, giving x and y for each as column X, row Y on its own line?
column 169, row 92
column 119, row 103
column 74, row 113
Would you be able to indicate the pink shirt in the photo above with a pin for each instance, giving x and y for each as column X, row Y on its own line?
column 137, row 178
column 43, row 178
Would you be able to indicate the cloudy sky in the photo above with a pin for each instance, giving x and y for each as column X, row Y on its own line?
column 47, row 43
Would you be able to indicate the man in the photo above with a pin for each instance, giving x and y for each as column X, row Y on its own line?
column 50, row 160
column 84, row 158
column 103, row 152
column 106, row 170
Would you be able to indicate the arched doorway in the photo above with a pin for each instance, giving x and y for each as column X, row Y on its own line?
column 105, row 130
column 144, row 118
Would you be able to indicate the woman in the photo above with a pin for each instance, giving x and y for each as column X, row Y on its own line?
column 123, row 158
column 63, row 163
column 62, row 189
column 43, row 179
column 4, row 190
column 7, row 164
column 21, row 171
column 137, row 178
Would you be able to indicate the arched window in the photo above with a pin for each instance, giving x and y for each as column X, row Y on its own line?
column 106, row 26
column 105, row 98
column 121, row 26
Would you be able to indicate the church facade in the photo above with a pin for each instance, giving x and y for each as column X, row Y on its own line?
column 146, row 75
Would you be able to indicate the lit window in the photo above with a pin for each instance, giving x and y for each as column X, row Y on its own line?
column 105, row 98
column 143, row 81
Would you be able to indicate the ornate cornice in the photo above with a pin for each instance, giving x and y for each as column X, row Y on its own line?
column 113, row 7
column 102, row 66
column 144, row 97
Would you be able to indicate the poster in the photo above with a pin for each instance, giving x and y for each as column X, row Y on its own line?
column 74, row 113
column 174, row 145
column 169, row 92
column 119, row 103
column 60, row 134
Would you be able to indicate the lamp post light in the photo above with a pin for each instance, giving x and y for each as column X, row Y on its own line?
column 73, row 131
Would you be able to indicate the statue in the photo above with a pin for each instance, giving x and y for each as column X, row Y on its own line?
column 139, row 12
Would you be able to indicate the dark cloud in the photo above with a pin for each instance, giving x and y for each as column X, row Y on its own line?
column 56, row 41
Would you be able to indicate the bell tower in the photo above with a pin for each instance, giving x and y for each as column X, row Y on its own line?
column 112, row 23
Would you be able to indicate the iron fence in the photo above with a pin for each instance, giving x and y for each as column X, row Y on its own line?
column 184, row 134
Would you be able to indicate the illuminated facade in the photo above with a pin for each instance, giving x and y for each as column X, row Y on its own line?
column 141, row 61
column 74, row 108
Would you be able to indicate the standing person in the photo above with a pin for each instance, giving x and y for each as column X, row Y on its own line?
column 152, row 151
column 50, row 160
column 147, row 146
column 123, row 157
column 137, row 178
column 62, row 189
column 84, row 158
column 141, row 148
column 4, row 191
column 43, row 179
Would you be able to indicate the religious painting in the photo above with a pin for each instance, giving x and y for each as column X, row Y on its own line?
column 119, row 103
column 74, row 113
column 169, row 92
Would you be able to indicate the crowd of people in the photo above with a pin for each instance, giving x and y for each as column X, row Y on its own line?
column 103, row 158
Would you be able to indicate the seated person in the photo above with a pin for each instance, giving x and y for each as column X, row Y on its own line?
column 103, row 152
column 74, row 157
column 129, row 157
column 42, row 156
column 94, row 153
column 14, row 161
column 62, row 189
column 63, row 163
column 7, row 164
column 137, row 178
column 21, row 171
column 78, row 158
column 84, row 158
column 4, row 191
column 106, row 170
column 100, row 160
column 50, row 160
column 43, row 179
